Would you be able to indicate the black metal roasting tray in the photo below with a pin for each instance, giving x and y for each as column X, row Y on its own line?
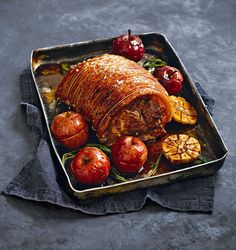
column 44, row 67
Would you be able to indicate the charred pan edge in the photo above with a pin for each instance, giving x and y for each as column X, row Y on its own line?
column 144, row 182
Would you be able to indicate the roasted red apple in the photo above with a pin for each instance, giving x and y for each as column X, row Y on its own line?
column 171, row 78
column 129, row 46
column 129, row 154
column 70, row 129
column 90, row 166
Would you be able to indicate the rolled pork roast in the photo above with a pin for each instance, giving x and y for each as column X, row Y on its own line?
column 118, row 97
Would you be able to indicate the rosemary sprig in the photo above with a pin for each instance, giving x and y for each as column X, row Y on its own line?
column 153, row 170
column 153, row 63
column 116, row 175
column 66, row 66
column 67, row 156
column 201, row 159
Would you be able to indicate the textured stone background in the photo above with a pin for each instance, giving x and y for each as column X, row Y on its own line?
column 203, row 34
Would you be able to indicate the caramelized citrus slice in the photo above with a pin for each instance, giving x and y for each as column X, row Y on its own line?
column 181, row 148
column 182, row 110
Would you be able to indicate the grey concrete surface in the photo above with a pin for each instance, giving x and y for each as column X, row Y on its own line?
column 203, row 34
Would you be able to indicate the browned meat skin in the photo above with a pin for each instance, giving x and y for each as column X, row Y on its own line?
column 101, row 87
column 142, row 118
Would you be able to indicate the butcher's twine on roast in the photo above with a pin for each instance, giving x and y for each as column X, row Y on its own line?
column 118, row 97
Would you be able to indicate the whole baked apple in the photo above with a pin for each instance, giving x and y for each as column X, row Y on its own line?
column 90, row 166
column 70, row 129
column 171, row 79
column 129, row 46
column 129, row 154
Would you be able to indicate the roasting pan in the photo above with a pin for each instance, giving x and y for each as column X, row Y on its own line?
column 154, row 43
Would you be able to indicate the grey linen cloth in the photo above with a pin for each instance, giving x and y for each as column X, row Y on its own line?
column 40, row 179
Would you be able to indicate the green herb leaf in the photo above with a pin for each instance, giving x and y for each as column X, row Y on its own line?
column 201, row 159
column 153, row 170
column 66, row 66
column 117, row 176
column 66, row 157
column 154, row 63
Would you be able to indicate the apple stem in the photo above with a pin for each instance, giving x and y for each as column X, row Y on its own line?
column 173, row 73
column 86, row 160
column 129, row 33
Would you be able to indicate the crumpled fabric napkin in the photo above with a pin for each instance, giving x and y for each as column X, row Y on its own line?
column 39, row 179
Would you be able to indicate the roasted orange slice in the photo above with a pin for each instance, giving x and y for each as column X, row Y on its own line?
column 181, row 148
column 182, row 111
